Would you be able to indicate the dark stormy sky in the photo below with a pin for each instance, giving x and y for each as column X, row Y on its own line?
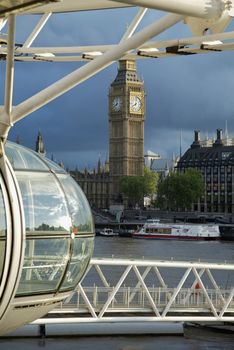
column 182, row 93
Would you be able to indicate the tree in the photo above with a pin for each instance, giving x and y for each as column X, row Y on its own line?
column 137, row 187
column 149, row 182
column 180, row 190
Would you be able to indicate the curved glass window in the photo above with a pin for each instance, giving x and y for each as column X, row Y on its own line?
column 44, row 264
column 46, row 215
column 82, row 251
column 44, row 204
column 78, row 205
column 58, row 221
column 53, row 166
column 2, row 232
column 22, row 158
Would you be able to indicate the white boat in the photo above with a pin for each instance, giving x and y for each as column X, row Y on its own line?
column 108, row 232
column 157, row 230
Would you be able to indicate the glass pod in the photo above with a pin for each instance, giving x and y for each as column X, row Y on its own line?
column 46, row 235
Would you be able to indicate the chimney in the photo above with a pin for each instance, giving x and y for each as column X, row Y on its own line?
column 219, row 139
column 196, row 135
column 219, row 134
column 196, row 142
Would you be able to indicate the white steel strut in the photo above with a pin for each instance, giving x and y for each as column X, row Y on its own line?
column 91, row 68
column 129, row 290
column 206, row 20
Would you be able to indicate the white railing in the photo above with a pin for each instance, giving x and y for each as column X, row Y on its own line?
column 165, row 290
column 136, row 300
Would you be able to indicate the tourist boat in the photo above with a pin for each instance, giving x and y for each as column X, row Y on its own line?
column 157, row 230
column 107, row 232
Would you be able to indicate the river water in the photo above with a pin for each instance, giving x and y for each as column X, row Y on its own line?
column 138, row 248
column 129, row 247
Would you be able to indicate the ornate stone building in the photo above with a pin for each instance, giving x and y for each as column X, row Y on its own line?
column 126, row 139
column 96, row 184
column 126, row 124
column 215, row 160
column 40, row 147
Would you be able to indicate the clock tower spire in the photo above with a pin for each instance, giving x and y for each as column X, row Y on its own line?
column 126, row 124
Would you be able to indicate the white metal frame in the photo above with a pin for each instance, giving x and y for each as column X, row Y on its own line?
column 15, row 235
column 200, row 16
column 208, row 303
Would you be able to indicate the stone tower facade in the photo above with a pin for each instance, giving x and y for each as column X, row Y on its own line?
column 126, row 124
column 40, row 147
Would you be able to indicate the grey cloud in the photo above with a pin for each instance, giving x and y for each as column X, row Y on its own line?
column 183, row 93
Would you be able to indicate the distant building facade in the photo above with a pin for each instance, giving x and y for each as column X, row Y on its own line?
column 150, row 157
column 96, row 184
column 163, row 166
column 215, row 160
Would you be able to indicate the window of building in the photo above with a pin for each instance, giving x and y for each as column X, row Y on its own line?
column 222, row 178
column 225, row 155
column 222, row 169
column 222, row 208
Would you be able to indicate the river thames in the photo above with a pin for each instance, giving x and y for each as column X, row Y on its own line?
column 136, row 248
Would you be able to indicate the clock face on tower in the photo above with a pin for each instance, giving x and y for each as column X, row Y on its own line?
column 116, row 104
column 135, row 104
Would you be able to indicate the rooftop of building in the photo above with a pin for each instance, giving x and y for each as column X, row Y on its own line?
column 126, row 73
column 220, row 150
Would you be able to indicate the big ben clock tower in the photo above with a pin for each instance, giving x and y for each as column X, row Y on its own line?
column 126, row 124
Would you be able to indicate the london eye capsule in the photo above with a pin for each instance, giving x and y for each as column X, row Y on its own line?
column 46, row 235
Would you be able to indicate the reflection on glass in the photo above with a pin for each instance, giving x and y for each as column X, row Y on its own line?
column 83, row 249
column 44, row 203
column 55, row 167
column 44, row 265
column 22, row 158
column 2, row 233
column 78, row 205
column 55, row 209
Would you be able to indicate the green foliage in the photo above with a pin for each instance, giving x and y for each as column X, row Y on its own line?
column 137, row 187
column 150, row 180
column 180, row 190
